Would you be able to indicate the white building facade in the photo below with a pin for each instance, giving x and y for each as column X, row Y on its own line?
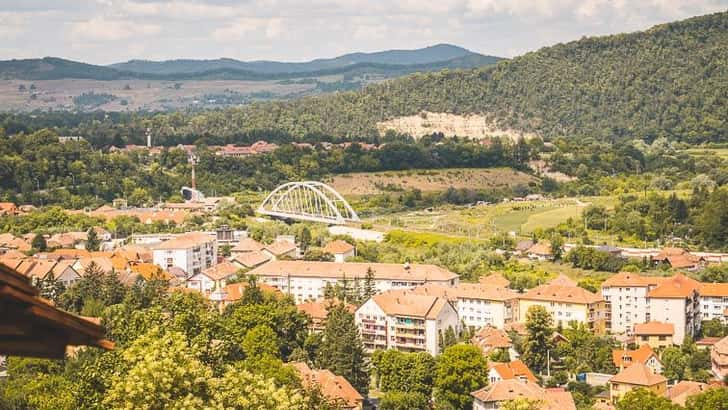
column 190, row 252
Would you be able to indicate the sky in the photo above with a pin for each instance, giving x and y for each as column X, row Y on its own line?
column 109, row 31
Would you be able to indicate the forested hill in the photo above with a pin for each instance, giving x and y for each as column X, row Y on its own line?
column 671, row 80
column 434, row 54
column 392, row 63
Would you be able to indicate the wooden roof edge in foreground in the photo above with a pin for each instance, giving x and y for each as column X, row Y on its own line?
column 32, row 326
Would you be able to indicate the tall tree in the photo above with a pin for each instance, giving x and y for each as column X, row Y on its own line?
column 643, row 399
column 461, row 369
column 342, row 351
column 370, row 288
column 93, row 243
column 39, row 242
column 537, row 343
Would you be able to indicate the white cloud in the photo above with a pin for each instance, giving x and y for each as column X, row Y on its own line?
column 245, row 27
column 99, row 29
column 187, row 10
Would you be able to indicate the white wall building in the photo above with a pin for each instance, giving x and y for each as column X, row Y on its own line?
column 713, row 301
column 306, row 280
column 627, row 302
column 676, row 301
column 191, row 252
column 399, row 319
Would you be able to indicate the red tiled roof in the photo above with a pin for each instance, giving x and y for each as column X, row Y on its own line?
column 654, row 328
column 678, row 286
column 338, row 247
column 515, row 369
column 624, row 358
column 332, row 386
column 638, row 374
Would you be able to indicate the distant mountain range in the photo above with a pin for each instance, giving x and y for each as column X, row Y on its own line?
column 385, row 63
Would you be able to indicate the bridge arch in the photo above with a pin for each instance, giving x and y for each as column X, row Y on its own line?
column 308, row 201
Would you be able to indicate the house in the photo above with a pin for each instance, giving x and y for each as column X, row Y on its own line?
column 680, row 392
column 643, row 355
column 496, row 394
column 281, row 249
column 713, row 301
column 565, row 304
column 540, row 251
column 212, row 278
column 495, row 279
column 318, row 311
column 522, row 247
column 191, row 252
column 514, row 370
column 627, row 302
column 150, row 271
column 655, row 334
column 64, row 272
column 399, row 319
column 234, row 292
column 719, row 358
column 244, row 246
column 249, row 260
column 333, row 387
column 678, row 258
column 8, row 208
column 135, row 253
column 33, row 327
column 612, row 250
column 307, row 280
column 675, row 300
column 706, row 343
column 489, row 339
column 633, row 377
column 340, row 249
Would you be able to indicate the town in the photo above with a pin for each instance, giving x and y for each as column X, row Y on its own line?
column 223, row 205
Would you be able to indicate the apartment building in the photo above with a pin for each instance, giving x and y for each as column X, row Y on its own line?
column 719, row 358
column 306, row 280
column 478, row 304
column 675, row 300
column 191, row 252
column 565, row 303
column 402, row 320
column 627, row 303
column 713, row 301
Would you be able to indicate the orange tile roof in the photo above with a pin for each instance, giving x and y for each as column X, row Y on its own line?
column 13, row 254
column 678, row 286
column 505, row 390
column 489, row 338
column 69, row 253
column 247, row 245
column 515, row 369
column 713, row 289
column 638, row 374
column 563, row 294
column 279, row 248
column 338, row 246
column 721, row 346
column 624, row 358
column 186, row 241
column 221, row 271
column 332, row 386
column 12, row 263
column 319, row 309
column 40, row 269
column 251, row 259
column 629, row 279
column 680, row 392
column 518, row 327
column 541, row 248
column 134, row 253
column 677, row 258
column 466, row 291
column 61, row 267
column 351, row 270
column 496, row 279
column 150, row 271
column 104, row 264
column 654, row 328
column 234, row 291
column 404, row 303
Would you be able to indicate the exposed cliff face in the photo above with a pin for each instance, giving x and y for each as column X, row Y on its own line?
column 471, row 125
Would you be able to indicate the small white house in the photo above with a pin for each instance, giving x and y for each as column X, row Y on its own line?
column 341, row 250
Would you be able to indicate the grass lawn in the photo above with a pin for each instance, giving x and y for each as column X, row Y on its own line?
column 720, row 152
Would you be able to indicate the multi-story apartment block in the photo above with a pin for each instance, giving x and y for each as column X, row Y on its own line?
column 478, row 304
column 675, row 300
column 566, row 303
column 713, row 301
column 307, row 280
column 400, row 319
column 191, row 252
column 627, row 302
column 719, row 358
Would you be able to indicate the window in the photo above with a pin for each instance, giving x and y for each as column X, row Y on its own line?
column 662, row 338
column 644, row 338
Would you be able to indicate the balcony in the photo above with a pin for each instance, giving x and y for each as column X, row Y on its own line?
column 412, row 324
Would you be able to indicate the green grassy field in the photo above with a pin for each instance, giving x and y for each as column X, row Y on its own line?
column 698, row 152
column 484, row 221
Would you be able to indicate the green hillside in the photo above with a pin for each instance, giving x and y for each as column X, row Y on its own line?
column 671, row 80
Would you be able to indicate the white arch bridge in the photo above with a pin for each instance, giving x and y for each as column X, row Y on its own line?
column 308, row 201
